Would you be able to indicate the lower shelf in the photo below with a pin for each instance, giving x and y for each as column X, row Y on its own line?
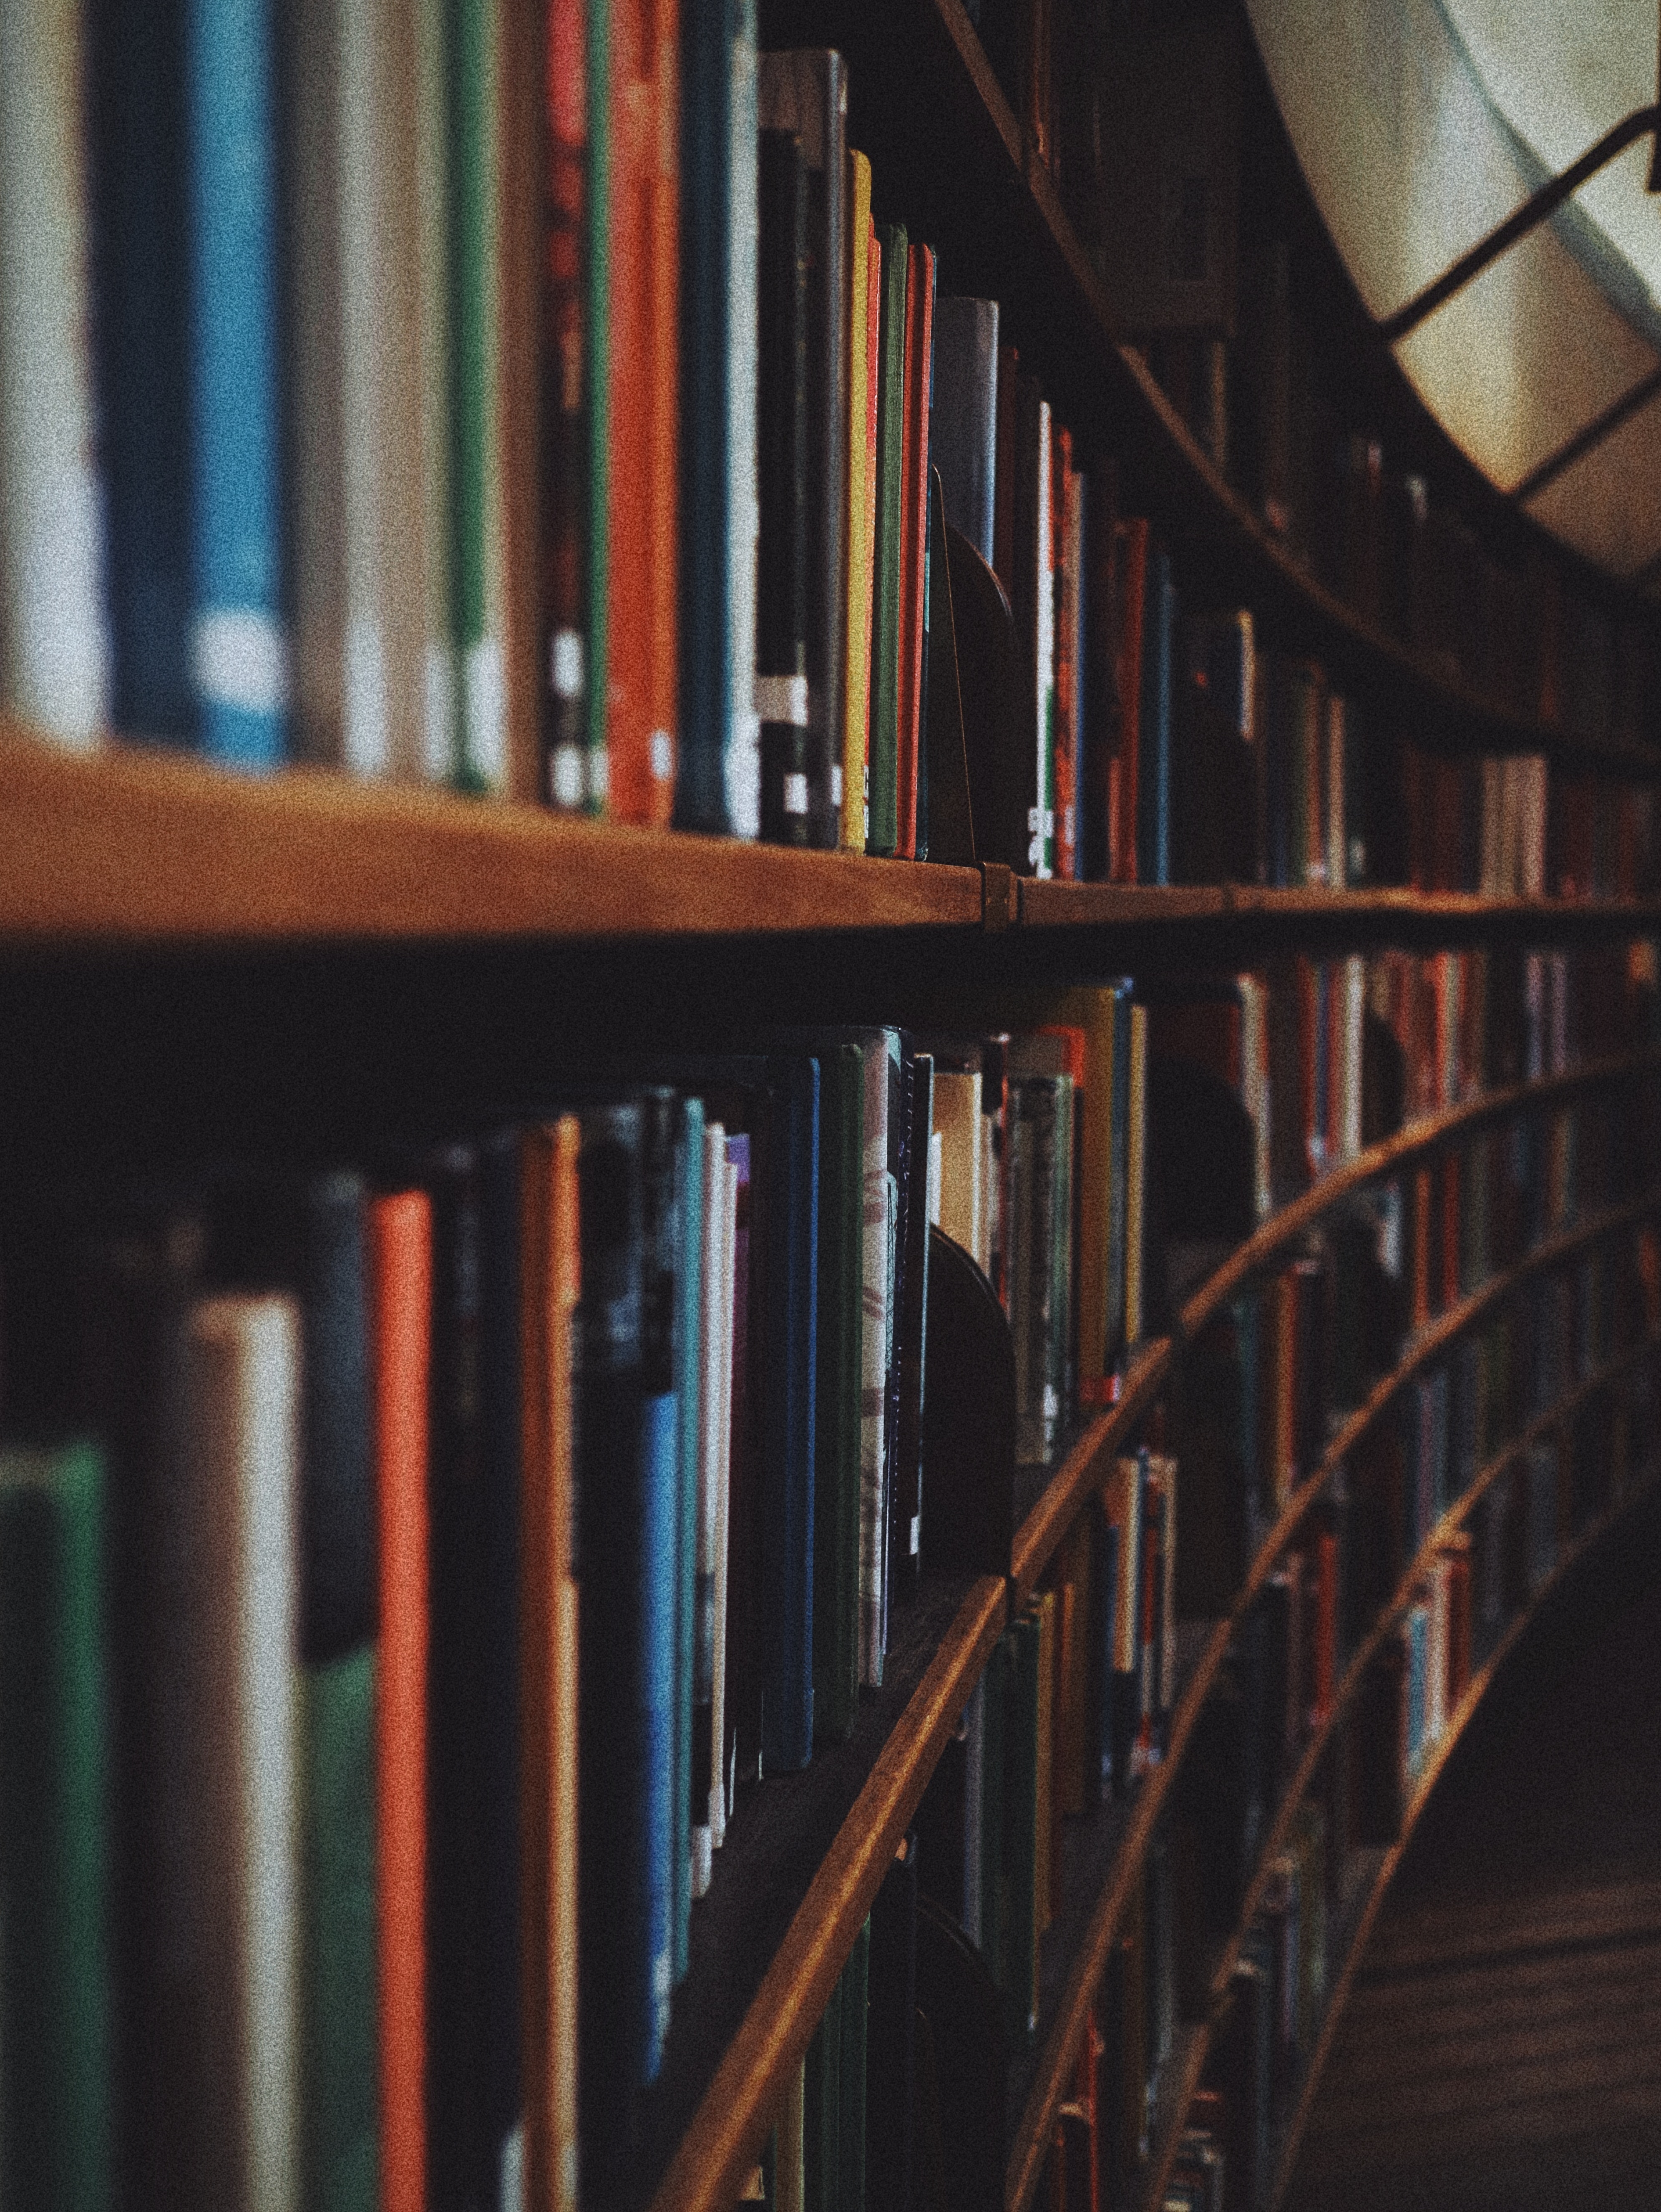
column 794, row 1881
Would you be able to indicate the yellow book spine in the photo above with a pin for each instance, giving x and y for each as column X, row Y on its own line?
column 857, row 621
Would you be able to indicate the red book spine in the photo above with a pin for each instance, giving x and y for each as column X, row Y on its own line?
column 914, row 529
column 400, row 1307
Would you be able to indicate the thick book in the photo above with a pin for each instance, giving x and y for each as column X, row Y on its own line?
column 805, row 92
column 57, row 2100
column 550, row 1257
column 742, row 779
column 786, row 1611
column 782, row 449
column 54, row 641
column 883, row 753
column 642, row 662
column 881, row 1049
column 243, row 1751
column 399, row 1255
column 963, row 420
column 911, row 757
column 238, row 641
column 858, row 245
column 657, row 1592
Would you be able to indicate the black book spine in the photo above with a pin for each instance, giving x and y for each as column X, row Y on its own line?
column 338, row 1601
column 460, row 2153
column 913, row 1344
column 781, row 685
column 901, row 1102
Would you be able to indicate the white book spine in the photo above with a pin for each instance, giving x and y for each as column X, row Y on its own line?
column 723, row 1487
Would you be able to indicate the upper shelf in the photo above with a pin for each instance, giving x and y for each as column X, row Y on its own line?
column 961, row 169
column 126, row 847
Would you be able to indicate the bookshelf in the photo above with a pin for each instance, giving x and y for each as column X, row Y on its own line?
column 151, row 862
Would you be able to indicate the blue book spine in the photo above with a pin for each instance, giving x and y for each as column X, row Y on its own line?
column 1418, row 1633
column 142, row 356
column 660, row 1445
column 689, row 1313
column 706, row 223
column 238, row 646
column 788, row 1517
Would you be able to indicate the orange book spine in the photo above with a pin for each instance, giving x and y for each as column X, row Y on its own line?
column 551, row 1284
column 640, row 677
column 914, row 463
column 400, row 1243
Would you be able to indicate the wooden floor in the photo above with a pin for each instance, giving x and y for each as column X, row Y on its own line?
column 1502, row 2048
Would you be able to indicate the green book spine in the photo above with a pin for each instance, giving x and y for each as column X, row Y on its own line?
column 822, row 2114
column 883, row 753
column 1021, row 1835
column 596, row 333
column 477, row 503
column 838, row 1411
column 339, row 1919
column 855, row 1984
column 689, row 1310
column 55, row 1998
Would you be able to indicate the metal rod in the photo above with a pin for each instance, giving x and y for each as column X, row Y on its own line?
column 1533, row 212
column 1594, row 433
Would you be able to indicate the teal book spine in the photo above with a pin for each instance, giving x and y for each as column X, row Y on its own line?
column 883, row 744
column 689, row 1310
column 56, row 2085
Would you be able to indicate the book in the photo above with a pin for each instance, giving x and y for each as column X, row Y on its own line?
column 643, row 517
column 237, row 640
column 689, row 1200
column 58, row 1845
column 963, row 420
column 783, row 691
column 241, row 1754
column 54, row 641
column 860, row 244
column 708, row 1807
column 400, row 1269
column 787, row 1501
column 743, row 744
column 551, row 1255
column 805, row 92
column 838, row 1391
column 1031, row 598
column 572, row 523
column 918, row 374
column 883, row 836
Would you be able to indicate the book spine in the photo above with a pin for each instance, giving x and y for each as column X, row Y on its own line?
column 856, row 666
column 783, row 691
column 913, row 533
column 145, row 363
column 239, row 645
column 597, row 357
column 501, row 1391
column 787, row 1497
column 433, row 217
column 657, row 1600
column 566, row 403
column 884, row 747
column 706, row 473
column 54, row 647
column 664, row 420
column 963, row 426
column 401, row 1310
column 689, row 1385
column 57, row 2100
column 242, row 1469
column 836, row 1462
column 872, row 417
column 478, row 541
column 876, row 1232
column 735, row 1433
column 714, row 1363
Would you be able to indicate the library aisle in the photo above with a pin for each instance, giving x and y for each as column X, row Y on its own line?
column 1502, row 2044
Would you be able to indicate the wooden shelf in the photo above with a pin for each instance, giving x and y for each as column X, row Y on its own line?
column 792, row 1884
column 135, row 847
column 129, row 848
